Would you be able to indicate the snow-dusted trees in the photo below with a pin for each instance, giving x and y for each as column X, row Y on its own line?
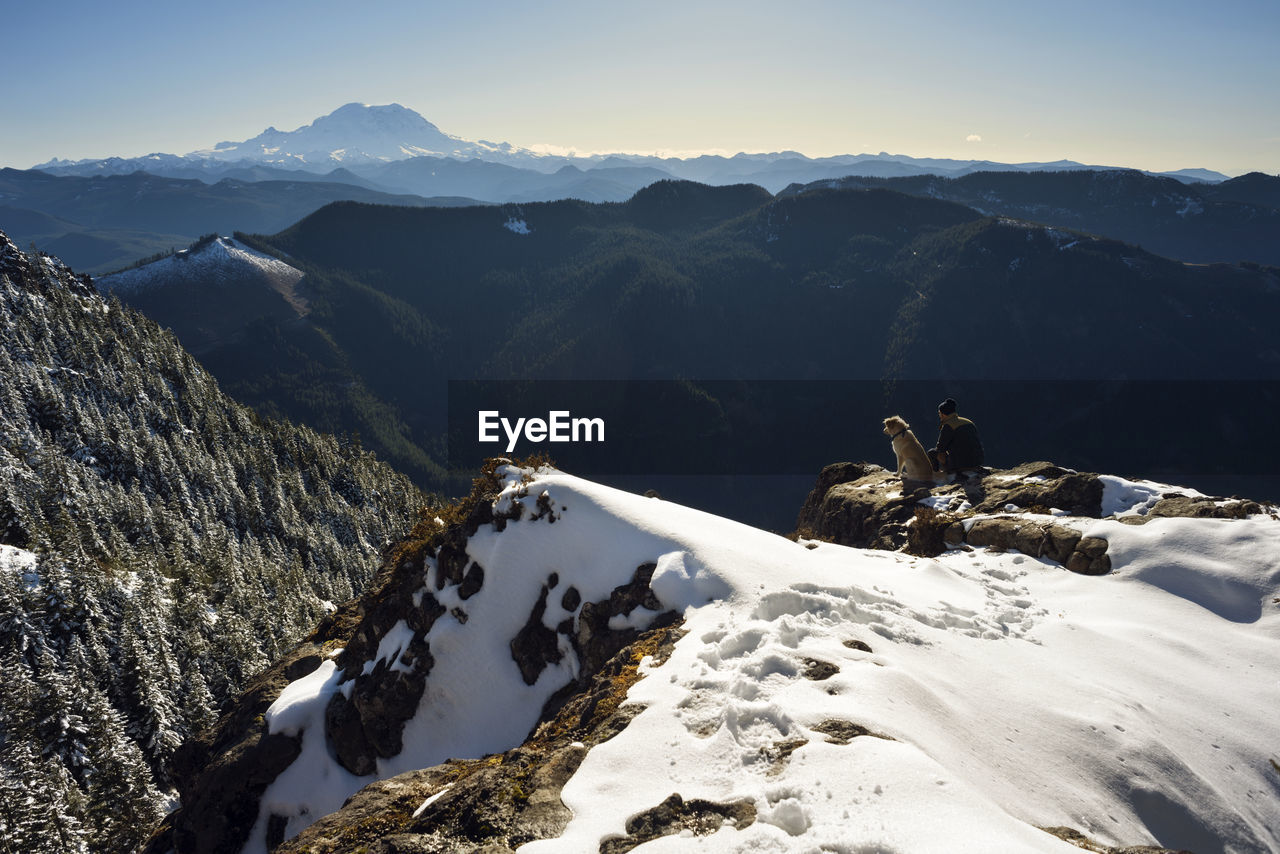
column 172, row 544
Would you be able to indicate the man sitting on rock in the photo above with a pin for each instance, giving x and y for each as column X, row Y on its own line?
column 959, row 449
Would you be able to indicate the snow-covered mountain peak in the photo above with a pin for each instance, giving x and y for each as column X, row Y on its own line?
column 353, row 133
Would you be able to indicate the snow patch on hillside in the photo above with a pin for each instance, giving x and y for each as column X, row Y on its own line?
column 21, row 563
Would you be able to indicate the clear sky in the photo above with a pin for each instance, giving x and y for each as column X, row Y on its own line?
column 1156, row 85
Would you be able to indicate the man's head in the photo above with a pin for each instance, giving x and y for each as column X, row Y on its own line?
column 947, row 407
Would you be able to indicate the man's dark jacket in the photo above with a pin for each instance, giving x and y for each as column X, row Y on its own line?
column 959, row 439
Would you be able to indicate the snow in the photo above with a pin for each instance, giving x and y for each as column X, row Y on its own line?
column 1137, row 707
column 1121, row 497
column 21, row 563
column 292, row 711
column 352, row 134
column 1226, row 566
column 14, row 559
column 953, row 503
column 393, row 643
column 431, row 800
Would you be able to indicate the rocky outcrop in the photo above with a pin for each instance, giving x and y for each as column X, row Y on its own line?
column 859, row 504
column 1203, row 507
column 1017, row 509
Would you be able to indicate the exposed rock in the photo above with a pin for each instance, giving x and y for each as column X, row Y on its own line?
column 843, row 732
column 927, row 533
column 1203, row 507
column 535, row 646
column 779, row 753
column 870, row 511
column 594, row 641
column 819, row 670
column 497, row 803
column 506, row 800
column 222, row 774
column 831, row 475
column 1078, row 493
column 1032, row 537
column 471, row 582
column 571, row 599
column 1078, row 839
column 859, row 504
column 1089, row 557
column 675, row 815
column 371, row 723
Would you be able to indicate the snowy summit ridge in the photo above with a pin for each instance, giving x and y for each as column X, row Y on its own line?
column 219, row 258
column 818, row 697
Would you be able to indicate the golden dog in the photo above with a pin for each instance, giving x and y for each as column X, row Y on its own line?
column 913, row 462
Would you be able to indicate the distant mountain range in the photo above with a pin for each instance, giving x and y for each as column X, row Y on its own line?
column 365, row 139
column 103, row 214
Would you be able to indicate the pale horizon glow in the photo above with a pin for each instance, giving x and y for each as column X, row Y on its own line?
column 1156, row 86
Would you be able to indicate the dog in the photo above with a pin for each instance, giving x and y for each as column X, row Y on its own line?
column 913, row 462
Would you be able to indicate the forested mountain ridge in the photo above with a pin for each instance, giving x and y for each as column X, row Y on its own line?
column 1236, row 220
column 689, row 280
column 102, row 223
column 160, row 544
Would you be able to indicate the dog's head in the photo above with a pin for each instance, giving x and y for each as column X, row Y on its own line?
column 894, row 425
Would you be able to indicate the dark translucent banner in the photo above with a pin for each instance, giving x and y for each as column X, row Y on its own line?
column 1149, row 429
